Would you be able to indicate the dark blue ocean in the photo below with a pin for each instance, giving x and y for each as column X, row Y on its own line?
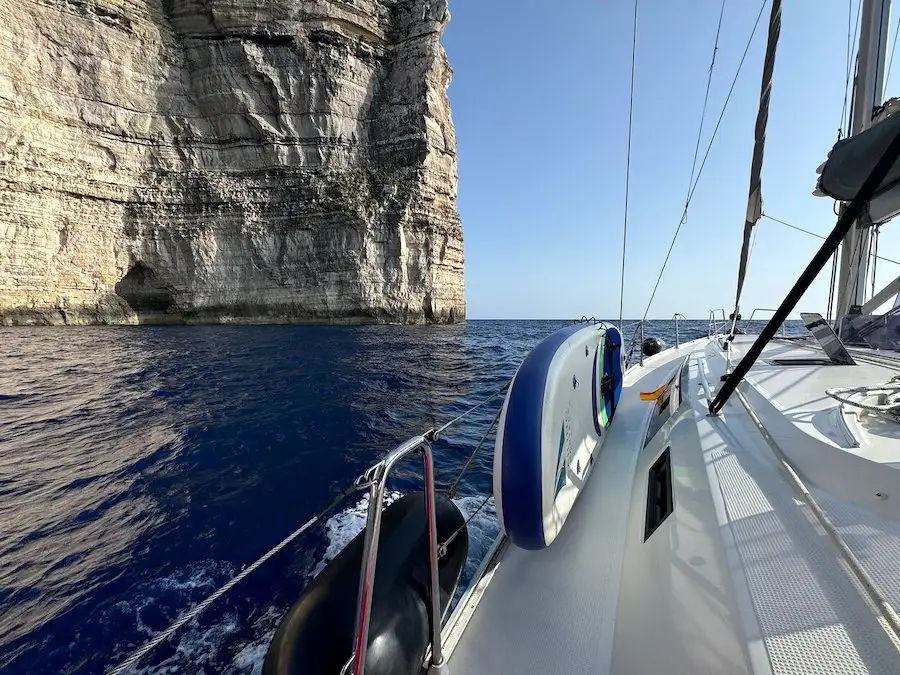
column 141, row 468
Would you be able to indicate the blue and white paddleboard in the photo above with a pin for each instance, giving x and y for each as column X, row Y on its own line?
column 552, row 424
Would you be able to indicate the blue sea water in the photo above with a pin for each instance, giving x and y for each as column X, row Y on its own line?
column 141, row 468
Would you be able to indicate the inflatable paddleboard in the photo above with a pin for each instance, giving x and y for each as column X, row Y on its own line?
column 553, row 421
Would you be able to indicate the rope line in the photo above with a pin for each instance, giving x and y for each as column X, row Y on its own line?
column 195, row 611
column 705, row 157
column 889, row 408
column 452, row 490
column 817, row 235
column 628, row 160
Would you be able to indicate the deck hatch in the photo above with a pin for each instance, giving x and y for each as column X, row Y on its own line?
column 659, row 494
column 828, row 340
column 799, row 361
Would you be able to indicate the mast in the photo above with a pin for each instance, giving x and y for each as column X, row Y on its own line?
column 754, row 199
column 868, row 93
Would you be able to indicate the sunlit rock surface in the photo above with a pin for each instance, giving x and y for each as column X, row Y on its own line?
column 227, row 160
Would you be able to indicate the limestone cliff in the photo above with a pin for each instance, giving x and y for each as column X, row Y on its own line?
column 227, row 160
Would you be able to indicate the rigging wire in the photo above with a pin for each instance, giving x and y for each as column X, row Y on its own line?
column 816, row 234
column 706, row 154
column 887, row 77
column 874, row 257
column 442, row 548
column 834, row 260
column 440, row 431
column 628, row 159
column 854, row 27
column 705, row 100
column 452, row 491
column 844, row 130
column 727, row 100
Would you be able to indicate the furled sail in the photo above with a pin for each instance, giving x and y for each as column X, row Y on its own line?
column 852, row 159
column 754, row 201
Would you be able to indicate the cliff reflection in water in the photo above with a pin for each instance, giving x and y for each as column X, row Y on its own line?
column 140, row 468
column 80, row 419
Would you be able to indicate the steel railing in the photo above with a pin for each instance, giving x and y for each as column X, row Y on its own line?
column 376, row 480
column 638, row 330
column 715, row 327
column 675, row 317
column 639, row 333
column 781, row 330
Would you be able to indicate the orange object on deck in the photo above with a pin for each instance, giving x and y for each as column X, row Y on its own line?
column 655, row 394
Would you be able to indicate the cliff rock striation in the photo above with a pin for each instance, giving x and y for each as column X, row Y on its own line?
column 227, row 160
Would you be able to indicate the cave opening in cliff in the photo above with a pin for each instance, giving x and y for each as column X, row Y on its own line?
column 145, row 292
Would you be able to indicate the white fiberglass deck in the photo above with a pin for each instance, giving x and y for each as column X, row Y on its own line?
column 741, row 577
column 799, row 393
column 554, row 610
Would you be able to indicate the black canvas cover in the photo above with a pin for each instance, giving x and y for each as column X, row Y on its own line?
column 852, row 160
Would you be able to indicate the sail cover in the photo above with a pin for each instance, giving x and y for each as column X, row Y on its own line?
column 851, row 160
column 754, row 201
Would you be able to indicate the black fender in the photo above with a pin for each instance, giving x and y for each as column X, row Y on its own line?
column 316, row 635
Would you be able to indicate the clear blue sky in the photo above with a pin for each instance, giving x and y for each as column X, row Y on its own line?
column 540, row 104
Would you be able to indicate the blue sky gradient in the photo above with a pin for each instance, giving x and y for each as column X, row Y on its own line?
column 540, row 104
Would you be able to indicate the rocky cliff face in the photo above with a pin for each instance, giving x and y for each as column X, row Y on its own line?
column 227, row 160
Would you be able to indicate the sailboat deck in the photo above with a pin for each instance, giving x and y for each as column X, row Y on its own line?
column 802, row 612
column 741, row 578
column 554, row 610
column 874, row 541
column 798, row 391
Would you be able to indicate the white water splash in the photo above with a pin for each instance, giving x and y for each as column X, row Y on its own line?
column 483, row 529
column 189, row 584
column 249, row 661
column 200, row 647
column 343, row 526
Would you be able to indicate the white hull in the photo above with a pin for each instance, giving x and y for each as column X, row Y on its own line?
column 742, row 576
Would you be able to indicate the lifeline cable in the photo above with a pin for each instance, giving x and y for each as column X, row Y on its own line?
column 452, row 490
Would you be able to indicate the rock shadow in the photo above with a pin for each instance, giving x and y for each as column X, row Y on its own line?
column 151, row 298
